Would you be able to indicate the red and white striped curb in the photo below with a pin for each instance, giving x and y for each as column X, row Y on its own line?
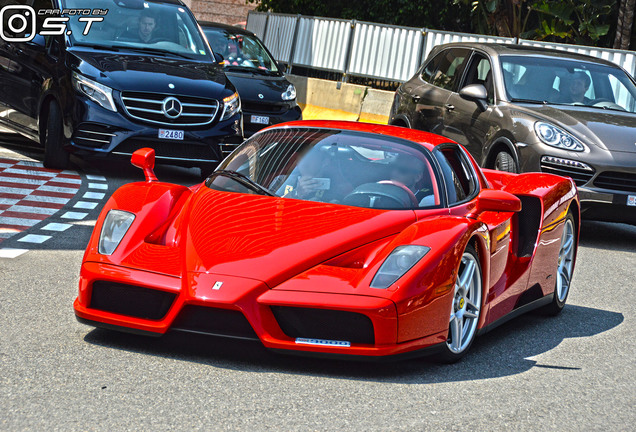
column 30, row 193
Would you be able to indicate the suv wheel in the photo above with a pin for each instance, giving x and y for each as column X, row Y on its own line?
column 54, row 154
column 505, row 162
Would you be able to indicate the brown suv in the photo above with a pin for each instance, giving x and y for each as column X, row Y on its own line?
column 521, row 109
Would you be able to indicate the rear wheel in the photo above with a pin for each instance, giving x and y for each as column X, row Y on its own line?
column 465, row 308
column 565, row 267
column 54, row 154
column 505, row 162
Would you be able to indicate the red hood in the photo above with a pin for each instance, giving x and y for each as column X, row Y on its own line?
column 273, row 239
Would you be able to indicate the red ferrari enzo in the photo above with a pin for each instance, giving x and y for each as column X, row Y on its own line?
column 334, row 238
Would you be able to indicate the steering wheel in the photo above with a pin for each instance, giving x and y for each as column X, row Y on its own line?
column 390, row 193
column 604, row 102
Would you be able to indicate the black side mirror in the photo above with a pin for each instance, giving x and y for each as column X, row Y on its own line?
column 218, row 57
column 282, row 67
column 476, row 93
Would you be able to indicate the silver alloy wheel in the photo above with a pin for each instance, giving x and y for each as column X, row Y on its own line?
column 466, row 305
column 566, row 261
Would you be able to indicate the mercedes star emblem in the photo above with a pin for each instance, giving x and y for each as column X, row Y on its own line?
column 172, row 107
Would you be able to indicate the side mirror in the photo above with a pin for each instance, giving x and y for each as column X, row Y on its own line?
column 144, row 158
column 476, row 93
column 218, row 57
column 497, row 201
column 282, row 67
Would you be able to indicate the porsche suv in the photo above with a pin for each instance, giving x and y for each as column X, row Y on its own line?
column 143, row 76
column 520, row 109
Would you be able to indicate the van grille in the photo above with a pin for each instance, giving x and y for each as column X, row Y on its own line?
column 149, row 107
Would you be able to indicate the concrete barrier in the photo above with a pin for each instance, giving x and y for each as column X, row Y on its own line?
column 330, row 100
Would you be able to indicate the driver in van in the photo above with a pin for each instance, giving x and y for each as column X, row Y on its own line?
column 147, row 25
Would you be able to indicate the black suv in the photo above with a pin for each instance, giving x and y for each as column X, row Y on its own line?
column 144, row 76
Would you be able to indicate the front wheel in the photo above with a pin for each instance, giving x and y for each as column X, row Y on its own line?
column 565, row 267
column 465, row 308
column 505, row 162
column 54, row 154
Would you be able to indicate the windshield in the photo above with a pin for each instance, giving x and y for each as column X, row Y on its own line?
column 323, row 165
column 240, row 50
column 140, row 25
column 567, row 82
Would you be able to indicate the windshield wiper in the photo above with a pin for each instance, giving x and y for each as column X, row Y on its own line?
column 154, row 51
column 533, row 101
column 88, row 45
column 251, row 70
column 244, row 180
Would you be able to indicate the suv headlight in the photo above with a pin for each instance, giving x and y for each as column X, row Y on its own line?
column 557, row 137
column 95, row 91
column 115, row 226
column 231, row 105
column 399, row 261
column 290, row 93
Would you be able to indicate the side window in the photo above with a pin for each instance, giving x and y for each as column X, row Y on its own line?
column 431, row 68
column 458, row 176
column 450, row 68
column 479, row 72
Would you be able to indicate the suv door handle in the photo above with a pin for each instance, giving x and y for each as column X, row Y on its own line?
column 416, row 98
column 449, row 107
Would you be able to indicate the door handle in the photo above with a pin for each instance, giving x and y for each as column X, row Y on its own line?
column 449, row 107
column 416, row 98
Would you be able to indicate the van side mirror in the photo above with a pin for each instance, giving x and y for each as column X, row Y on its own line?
column 218, row 57
column 476, row 93
column 144, row 158
column 282, row 67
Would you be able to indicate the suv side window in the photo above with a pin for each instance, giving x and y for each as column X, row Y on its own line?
column 431, row 67
column 450, row 68
column 458, row 175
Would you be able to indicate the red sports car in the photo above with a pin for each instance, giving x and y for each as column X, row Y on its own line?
column 333, row 238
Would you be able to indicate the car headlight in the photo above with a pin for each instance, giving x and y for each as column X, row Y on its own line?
column 290, row 93
column 399, row 261
column 114, row 229
column 231, row 105
column 557, row 137
column 95, row 91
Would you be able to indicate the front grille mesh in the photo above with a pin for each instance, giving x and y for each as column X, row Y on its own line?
column 580, row 176
column 214, row 321
column 615, row 180
column 130, row 300
column 149, row 107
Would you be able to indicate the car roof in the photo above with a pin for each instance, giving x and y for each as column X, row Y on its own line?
column 426, row 139
column 220, row 26
column 497, row 49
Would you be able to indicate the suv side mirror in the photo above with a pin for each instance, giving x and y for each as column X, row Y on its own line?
column 476, row 93
column 144, row 158
column 496, row 201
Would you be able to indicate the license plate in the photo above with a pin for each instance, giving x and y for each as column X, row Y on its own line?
column 631, row 200
column 171, row 134
column 260, row 119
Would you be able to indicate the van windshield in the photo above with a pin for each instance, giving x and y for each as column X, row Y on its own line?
column 240, row 51
column 139, row 25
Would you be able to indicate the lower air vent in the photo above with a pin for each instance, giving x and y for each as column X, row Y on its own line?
column 93, row 135
column 131, row 300
column 324, row 324
column 580, row 172
column 177, row 150
column 214, row 321
column 619, row 181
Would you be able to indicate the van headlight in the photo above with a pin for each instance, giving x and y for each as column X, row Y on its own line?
column 557, row 137
column 231, row 105
column 399, row 261
column 114, row 229
column 95, row 91
column 290, row 93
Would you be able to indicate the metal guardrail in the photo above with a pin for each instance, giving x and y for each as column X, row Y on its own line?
column 378, row 51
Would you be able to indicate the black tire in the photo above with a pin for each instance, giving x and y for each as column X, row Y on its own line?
column 557, row 304
column 447, row 355
column 505, row 162
column 53, row 138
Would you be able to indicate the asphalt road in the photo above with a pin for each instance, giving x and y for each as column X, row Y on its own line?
column 573, row 372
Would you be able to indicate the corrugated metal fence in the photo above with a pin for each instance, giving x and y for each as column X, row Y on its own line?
column 377, row 50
